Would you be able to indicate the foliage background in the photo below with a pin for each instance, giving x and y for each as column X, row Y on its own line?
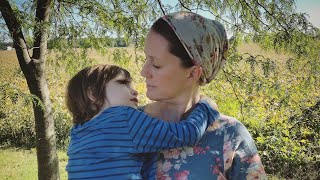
column 270, row 83
column 280, row 113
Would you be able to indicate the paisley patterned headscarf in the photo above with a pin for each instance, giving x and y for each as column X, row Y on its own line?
column 204, row 39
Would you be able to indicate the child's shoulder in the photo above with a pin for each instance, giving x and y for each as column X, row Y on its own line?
column 118, row 110
column 114, row 112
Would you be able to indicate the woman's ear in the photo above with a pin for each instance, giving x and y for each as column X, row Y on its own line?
column 195, row 73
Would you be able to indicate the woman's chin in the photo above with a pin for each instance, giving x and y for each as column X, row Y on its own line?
column 152, row 96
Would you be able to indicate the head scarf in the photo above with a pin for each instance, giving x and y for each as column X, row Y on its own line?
column 204, row 39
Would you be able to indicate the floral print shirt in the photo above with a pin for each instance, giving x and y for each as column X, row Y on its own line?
column 226, row 151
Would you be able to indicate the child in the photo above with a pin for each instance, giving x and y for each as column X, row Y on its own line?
column 109, row 133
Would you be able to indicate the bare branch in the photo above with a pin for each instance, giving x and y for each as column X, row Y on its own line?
column 40, row 35
column 160, row 5
column 205, row 10
column 182, row 4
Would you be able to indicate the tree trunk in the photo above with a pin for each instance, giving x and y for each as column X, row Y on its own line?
column 34, row 72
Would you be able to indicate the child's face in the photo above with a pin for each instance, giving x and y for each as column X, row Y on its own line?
column 120, row 93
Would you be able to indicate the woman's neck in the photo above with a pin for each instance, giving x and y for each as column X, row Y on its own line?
column 175, row 109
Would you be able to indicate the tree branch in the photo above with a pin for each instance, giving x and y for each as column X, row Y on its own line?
column 277, row 19
column 41, row 33
column 14, row 28
column 254, row 14
column 160, row 5
column 184, row 6
column 205, row 10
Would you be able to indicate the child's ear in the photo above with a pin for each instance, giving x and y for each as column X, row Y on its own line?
column 90, row 95
column 195, row 73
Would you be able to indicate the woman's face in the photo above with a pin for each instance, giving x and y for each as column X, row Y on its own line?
column 165, row 77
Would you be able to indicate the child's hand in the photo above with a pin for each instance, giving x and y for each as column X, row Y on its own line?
column 210, row 101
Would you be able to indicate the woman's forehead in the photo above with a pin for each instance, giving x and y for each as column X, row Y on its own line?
column 155, row 44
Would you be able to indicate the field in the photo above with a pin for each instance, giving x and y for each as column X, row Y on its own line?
column 258, row 99
column 9, row 63
column 21, row 164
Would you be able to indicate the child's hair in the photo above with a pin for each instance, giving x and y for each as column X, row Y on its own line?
column 91, row 81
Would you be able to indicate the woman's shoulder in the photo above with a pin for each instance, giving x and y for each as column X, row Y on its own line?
column 227, row 131
column 224, row 121
column 226, row 125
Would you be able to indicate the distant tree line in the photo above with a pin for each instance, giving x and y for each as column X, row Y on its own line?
column 87, row 42
column 4, row 45
column 77, row 43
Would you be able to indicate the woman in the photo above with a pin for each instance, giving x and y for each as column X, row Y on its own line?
column 184, row 51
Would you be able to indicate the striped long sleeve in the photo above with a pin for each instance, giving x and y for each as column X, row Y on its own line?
column 151, row 134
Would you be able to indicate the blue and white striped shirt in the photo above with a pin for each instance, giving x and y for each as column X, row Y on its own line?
column 112, row 144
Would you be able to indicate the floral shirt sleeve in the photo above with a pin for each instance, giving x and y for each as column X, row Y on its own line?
column 226, row 151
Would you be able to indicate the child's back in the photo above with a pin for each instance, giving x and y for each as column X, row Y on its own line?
column 102, row 148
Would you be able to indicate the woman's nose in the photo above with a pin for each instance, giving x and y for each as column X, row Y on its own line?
column 145, row 71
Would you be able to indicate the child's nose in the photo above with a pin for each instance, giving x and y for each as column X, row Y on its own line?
column 134, row 92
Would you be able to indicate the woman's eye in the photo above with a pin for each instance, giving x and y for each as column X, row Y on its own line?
column 155, row 66
column 151, row 60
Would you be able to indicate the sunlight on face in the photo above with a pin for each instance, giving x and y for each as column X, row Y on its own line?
column 165, row 76
column 118, row 92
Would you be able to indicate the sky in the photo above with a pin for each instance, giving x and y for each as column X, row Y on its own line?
column 311, row 7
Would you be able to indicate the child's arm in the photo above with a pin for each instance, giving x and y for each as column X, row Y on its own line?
column 151, row 134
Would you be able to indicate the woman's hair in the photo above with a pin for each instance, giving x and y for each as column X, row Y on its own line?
column 90, row 81
column 175, row 46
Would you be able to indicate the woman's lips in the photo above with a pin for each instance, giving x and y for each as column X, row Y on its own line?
column 150, row 86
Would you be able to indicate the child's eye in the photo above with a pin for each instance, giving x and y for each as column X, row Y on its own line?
column 124, row 82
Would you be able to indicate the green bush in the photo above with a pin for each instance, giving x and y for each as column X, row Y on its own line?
column 17, row 128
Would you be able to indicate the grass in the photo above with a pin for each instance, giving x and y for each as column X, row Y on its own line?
column 18, row 164
column 21, row 164
column 9, row 63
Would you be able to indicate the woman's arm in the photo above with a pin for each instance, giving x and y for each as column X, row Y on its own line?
column 151, row 134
